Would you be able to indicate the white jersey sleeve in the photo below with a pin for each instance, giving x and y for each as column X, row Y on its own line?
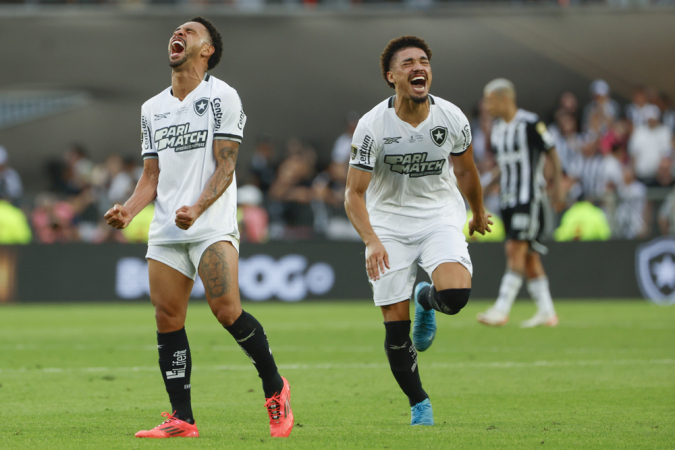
column 148, row 150
column 365, row 148
column 228, row 114
column 462, row 135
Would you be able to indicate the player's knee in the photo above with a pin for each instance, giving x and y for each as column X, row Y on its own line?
column 226, row 313
column 168, row 319
column 451, row 301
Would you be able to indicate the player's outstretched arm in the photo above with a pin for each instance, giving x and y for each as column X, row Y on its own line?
column 225, row 152
column 355, row 206
column 468, row 181
column 119, row 216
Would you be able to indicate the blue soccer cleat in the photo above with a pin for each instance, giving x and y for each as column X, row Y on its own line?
column 424, row 327
column 422, row 414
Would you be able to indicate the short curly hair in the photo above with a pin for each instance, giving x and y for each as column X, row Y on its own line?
column 216, row 40
column 399, row 44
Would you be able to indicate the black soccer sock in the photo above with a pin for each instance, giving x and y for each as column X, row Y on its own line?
column 446, row 301
column 402, row 357
column 175, row 363
column 423, row 298
column 252, row 339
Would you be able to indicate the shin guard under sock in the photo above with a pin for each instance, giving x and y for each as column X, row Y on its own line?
column 252, row 339
column 402, row 357
column 175, row 363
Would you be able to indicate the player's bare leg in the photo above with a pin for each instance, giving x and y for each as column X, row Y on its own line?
column 516, row 255
column 537, row 286
column 169, row 293
column 219, row 270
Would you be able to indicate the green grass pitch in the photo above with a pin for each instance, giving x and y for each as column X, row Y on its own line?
column 86, row 376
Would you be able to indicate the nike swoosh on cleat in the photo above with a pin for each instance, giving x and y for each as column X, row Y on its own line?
column 247, row 337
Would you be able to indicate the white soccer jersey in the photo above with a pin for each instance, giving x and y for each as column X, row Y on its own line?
column 412, row 187
column 181, row 134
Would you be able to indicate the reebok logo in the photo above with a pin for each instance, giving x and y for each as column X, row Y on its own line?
column 180, row 138
column 414, row 165
column 391, row 140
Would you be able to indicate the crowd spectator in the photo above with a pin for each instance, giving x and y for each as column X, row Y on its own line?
column 602, row 111
column 666, row 217
column 291, row 193
column 11, row 188
column 262, row 170
column 649, row 144
column 53, row 220
column 343, row 144
column 252, row 217
column 638, row 111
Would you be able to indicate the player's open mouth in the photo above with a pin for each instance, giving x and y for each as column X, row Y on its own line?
column 419, row 83
column 177, row 47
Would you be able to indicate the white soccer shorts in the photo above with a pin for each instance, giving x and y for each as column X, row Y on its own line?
column 185, row 257
column 438, row 246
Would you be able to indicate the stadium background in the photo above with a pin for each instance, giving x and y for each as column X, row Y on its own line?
column 75, row 75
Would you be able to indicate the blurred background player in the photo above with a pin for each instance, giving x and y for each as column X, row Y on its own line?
column 521, row 143
column 193, row 129
column 413, row 212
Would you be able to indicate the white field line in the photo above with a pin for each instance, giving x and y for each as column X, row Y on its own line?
column 469, row 365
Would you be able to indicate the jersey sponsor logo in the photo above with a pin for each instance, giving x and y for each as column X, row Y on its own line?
column 439, row 135
column 366, row 147
column 414, row 165
column 217, row 113
column 416, row 138
column 466, row 134
column 145, row 133
column 201, row 106
column 391, row 140
column 161, row 116
column 180, row 138
column 355, row 149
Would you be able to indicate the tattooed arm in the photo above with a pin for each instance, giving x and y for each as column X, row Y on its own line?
column 225, row 153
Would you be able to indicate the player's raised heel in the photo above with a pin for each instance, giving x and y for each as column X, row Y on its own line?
column 424, row 326
column 279, row 410
column 422, row 414
column 171, row 427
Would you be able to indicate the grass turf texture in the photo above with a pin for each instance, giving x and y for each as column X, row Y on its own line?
column 85, row 376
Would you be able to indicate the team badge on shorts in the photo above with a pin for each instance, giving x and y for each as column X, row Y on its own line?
column 201, row 106
column 439, row 135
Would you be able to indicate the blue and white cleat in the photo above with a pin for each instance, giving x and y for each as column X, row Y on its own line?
column 422, row 414
column 424, row 327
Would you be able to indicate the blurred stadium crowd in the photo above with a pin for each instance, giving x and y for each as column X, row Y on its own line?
column 618, row 163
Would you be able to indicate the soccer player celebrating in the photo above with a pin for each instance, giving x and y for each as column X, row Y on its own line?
column 190, row 137
column 405, row 203
column 521, row 143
